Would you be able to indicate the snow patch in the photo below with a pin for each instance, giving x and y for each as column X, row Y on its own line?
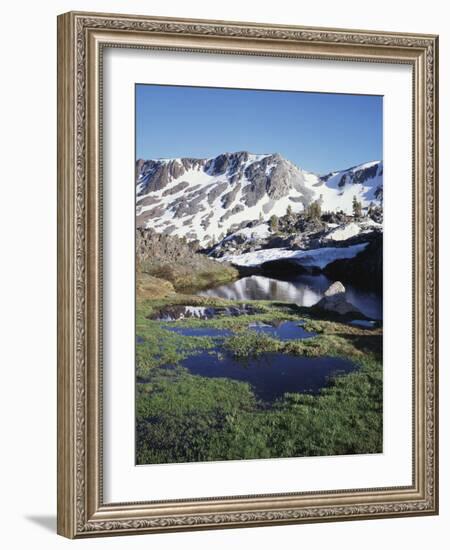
column 318, row 257
column 335, row 194
column 370, row 224
column 258, row 232
column 344, row 232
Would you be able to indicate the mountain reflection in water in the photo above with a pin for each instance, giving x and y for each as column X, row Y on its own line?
column 304, row 290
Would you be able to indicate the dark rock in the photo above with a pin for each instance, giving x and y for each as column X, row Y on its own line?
column 147, row 201
column 336, row 217
column 326, row 177
column 176, row 312
column 157, row 174
column 158, row 211
column 278, row 242
column 364, row 174
column 205, row 220
column 216, row 191
column 287, row 269
column 364, row 270
column 176, row 188
column 235, row 210
column 260, row 181
column 229, row 198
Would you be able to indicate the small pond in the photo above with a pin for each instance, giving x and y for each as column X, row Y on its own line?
column 272, row 374
column 286, row 330
column 283, row 330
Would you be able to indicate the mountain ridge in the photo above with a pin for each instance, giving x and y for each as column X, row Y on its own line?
column 206, row 199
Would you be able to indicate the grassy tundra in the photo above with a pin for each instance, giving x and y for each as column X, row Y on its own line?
column 181, row 417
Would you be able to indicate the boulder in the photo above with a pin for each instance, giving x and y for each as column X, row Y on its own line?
column 336, row 288
column 334, row 301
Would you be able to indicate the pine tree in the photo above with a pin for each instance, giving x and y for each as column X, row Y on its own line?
column 289, row 212
column 357, row 207
column 273, row 222
column 314, row 210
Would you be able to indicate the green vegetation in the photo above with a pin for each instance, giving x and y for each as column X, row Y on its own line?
column 357, row 207
column 189, row 277
column 148, row 286
column 181, row 417
column 314, row 210
column 187, row 417
column 290, row 216
column 251, row 344
column 273, row 223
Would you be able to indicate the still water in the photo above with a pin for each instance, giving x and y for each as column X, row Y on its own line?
column 272, row 374
column 304, row 290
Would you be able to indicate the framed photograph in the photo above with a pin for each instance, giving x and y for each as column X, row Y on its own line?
column 247, row 277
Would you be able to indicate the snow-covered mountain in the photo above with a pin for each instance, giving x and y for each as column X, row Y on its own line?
column 205, row 199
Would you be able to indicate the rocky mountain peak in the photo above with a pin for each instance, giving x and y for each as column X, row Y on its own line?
column 206, row 199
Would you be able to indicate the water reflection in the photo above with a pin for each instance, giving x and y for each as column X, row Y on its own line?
column 283, row 330
column 286, row 330
column 272, row 374
column 304, row 290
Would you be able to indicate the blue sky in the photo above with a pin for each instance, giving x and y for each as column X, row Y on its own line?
column 318, row 132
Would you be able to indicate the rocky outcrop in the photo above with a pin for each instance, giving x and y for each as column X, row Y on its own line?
column 176, row 189
column 336, row 289
column 151, row 245
column 358, row 175
column 168, row 258
column 365, row 269
column 175, row 312
column 298, row 232
column 286, row 269
column 334, row 301
column 153, row 175
column 232, row 183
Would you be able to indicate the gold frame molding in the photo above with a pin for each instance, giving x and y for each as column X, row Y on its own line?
column 81, row 38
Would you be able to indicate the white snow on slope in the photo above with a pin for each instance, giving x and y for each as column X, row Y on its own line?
column 215, row 228
column 319, row 257
column 211, row 222
column 260, row 231
column 367, row 224
column 344, row 232
column 338, row 191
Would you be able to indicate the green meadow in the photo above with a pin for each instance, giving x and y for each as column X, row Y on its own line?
column 186, row 417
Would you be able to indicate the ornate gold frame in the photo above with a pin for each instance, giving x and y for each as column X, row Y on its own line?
column 81, row 37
